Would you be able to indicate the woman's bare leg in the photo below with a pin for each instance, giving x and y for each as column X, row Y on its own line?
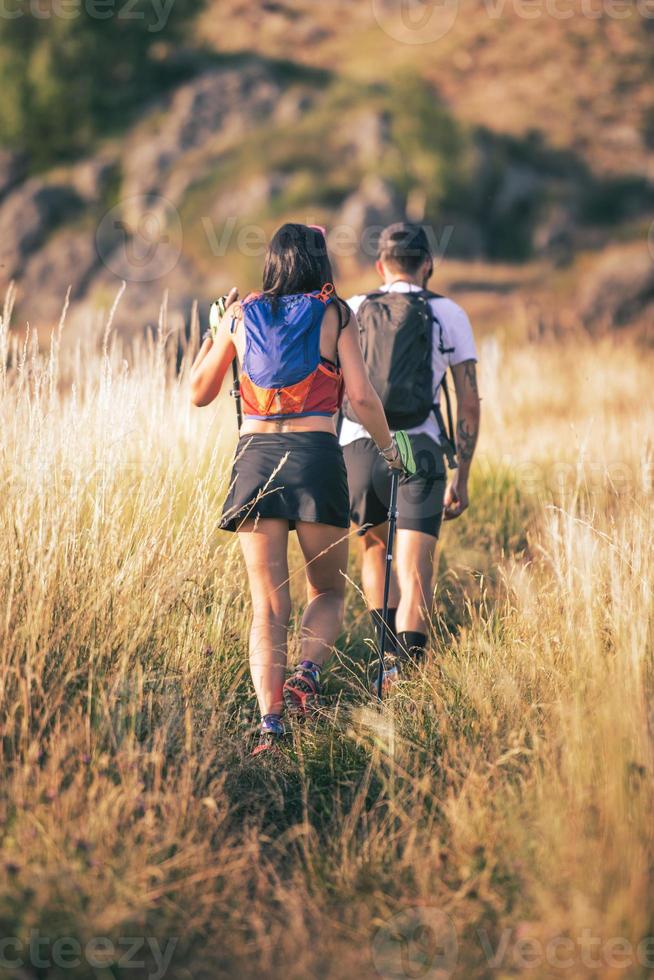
column 325, row 551
column 264, row 544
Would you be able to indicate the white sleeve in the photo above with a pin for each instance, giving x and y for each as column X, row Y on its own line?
column 458, row 335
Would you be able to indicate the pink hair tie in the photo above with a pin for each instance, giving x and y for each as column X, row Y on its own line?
column 323, row 231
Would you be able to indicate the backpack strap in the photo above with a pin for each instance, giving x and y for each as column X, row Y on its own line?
column 441, row 343
column 343, row 322
column 441, row 346
column 328, row 295
column 447, row 434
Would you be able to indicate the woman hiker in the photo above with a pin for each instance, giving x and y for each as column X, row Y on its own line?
column 298, row 345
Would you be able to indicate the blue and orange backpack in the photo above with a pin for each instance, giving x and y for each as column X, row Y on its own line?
column 283, row 374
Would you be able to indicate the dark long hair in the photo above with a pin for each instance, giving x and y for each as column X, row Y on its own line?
column 297, row 262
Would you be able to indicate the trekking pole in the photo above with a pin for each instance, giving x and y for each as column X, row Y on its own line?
column 217, row 312
column 405, row 451
column 392, row 521
column 235, row 392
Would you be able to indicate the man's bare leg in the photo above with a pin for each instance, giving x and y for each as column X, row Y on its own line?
column 373, row 571
column 415, row 553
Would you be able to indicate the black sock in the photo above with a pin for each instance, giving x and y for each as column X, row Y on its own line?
column 377, row 620
column 412, row 644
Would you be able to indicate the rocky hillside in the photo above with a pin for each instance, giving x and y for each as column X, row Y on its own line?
column 578, row 73
column 525, row 143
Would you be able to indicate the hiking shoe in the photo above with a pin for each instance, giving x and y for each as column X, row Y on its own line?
column 270, row 733
column 302, row 691
column 398, row 667
column 390, row 676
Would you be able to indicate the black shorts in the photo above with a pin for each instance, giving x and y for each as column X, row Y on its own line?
column 420, row 497
column 296, row 476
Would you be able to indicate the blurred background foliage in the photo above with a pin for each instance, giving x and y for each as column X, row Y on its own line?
column 516, row 140
column 68, row 80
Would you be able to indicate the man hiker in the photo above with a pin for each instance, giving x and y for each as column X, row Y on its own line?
column 410, row 338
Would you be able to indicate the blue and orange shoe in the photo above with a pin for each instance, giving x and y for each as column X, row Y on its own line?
column 271, row 731
column 302, row 689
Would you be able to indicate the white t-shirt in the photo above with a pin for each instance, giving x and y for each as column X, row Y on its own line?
column 457, row 334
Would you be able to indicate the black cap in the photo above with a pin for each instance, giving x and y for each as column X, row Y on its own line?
column 404, row 238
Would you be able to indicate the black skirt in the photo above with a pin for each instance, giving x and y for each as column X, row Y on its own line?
column 296, row 476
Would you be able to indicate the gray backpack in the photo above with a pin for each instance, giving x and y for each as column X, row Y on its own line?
column 397, row 338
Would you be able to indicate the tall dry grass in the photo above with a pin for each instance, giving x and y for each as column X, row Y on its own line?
column 502, row 798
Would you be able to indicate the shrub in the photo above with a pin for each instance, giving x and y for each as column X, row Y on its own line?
column 66, row 79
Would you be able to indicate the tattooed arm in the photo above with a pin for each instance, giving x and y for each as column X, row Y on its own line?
column 467, row 430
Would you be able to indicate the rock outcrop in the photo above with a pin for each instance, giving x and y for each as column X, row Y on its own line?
column 164, row 157
column 27, row 216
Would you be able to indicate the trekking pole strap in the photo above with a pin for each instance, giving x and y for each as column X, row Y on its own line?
column 392, row 509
